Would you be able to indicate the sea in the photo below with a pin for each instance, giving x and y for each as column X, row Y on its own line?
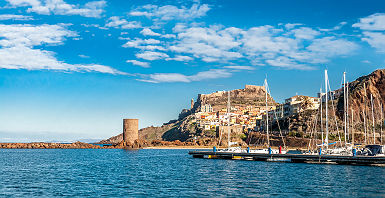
column 173, row 173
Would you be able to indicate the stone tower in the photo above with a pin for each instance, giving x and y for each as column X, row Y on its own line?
column 192, row 103
column 130, row 130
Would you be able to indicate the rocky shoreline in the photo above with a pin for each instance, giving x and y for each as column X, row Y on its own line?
column 81, row 145
column 139, row 144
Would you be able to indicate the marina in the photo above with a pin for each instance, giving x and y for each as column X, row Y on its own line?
column 293, row 158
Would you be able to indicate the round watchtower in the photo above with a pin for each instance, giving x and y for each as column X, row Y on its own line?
column 130, row 130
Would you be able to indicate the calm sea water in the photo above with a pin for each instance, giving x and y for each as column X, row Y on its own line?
column 164, row 173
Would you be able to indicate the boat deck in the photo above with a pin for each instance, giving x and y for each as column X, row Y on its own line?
column 294, row 158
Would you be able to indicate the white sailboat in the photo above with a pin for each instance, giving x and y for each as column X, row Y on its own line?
column 324, row 146
column 374, row 149
column 229, row 143
column 348, row 147
column 268, row 150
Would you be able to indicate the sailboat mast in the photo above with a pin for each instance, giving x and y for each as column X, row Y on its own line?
column 322, row 131
column 374, row 130
column 267, row 115
column 382, row 122
column 345, row 107
column 352, row 129
column 326, row 109
column 363, row 114
column 228, row 123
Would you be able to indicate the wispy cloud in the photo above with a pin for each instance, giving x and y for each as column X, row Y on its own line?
column 118, row 22
column 83, row 56
column 150, row 55
column 15, row 17
column 59, row 7
column 177, row 77
column 170, row 12
column 180, row 58
column 149, row 32
column 373, row 28
column 19, row 45
column 372, row 22
column 139, row 63
column 240, row 67
column 375, row 39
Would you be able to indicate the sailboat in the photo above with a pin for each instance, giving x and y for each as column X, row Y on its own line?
column 268, row 150
column 229, row 143
column 324, row 146
column 374, row 149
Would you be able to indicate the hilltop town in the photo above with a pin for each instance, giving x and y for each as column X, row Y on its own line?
column 206, row 121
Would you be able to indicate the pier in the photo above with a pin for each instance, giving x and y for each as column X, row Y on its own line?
column 293, row 158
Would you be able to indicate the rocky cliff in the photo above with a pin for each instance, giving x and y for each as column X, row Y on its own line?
column 359, row 98
column 360, row 92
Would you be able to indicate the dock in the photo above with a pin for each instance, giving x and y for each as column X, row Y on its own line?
column 292, row 158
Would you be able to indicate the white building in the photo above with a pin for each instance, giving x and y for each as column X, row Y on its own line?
column 206, row 108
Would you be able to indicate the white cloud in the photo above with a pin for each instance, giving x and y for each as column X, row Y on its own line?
column 286, row 46
column 288, row 63
column 297, row 48
column 240, row 67
column 290, row 26
column 372, row 22
column 150, row 55
column 59, row 7
column 15, row 17
column 166, row 77
column 337, row 27
column 210, row 44
column 19, row 57
column 148, row 32
column 176, row 77
column 180, row 58
column 144, row 44
column 305, row 33
column 170, row 12
column 327, row 47
column 139, row 63
column 19, row 43
column 210, row 74
column 168, row 36
column 373, row 27
column 376, row 40
column 30, row 35
column 117, row 22
column 83, row 56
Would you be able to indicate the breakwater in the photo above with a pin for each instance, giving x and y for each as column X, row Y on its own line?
column 81, row 145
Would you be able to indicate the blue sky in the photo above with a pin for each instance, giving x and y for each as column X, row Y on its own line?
column 74, row 69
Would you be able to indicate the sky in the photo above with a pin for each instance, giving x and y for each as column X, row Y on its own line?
column 72, row 69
